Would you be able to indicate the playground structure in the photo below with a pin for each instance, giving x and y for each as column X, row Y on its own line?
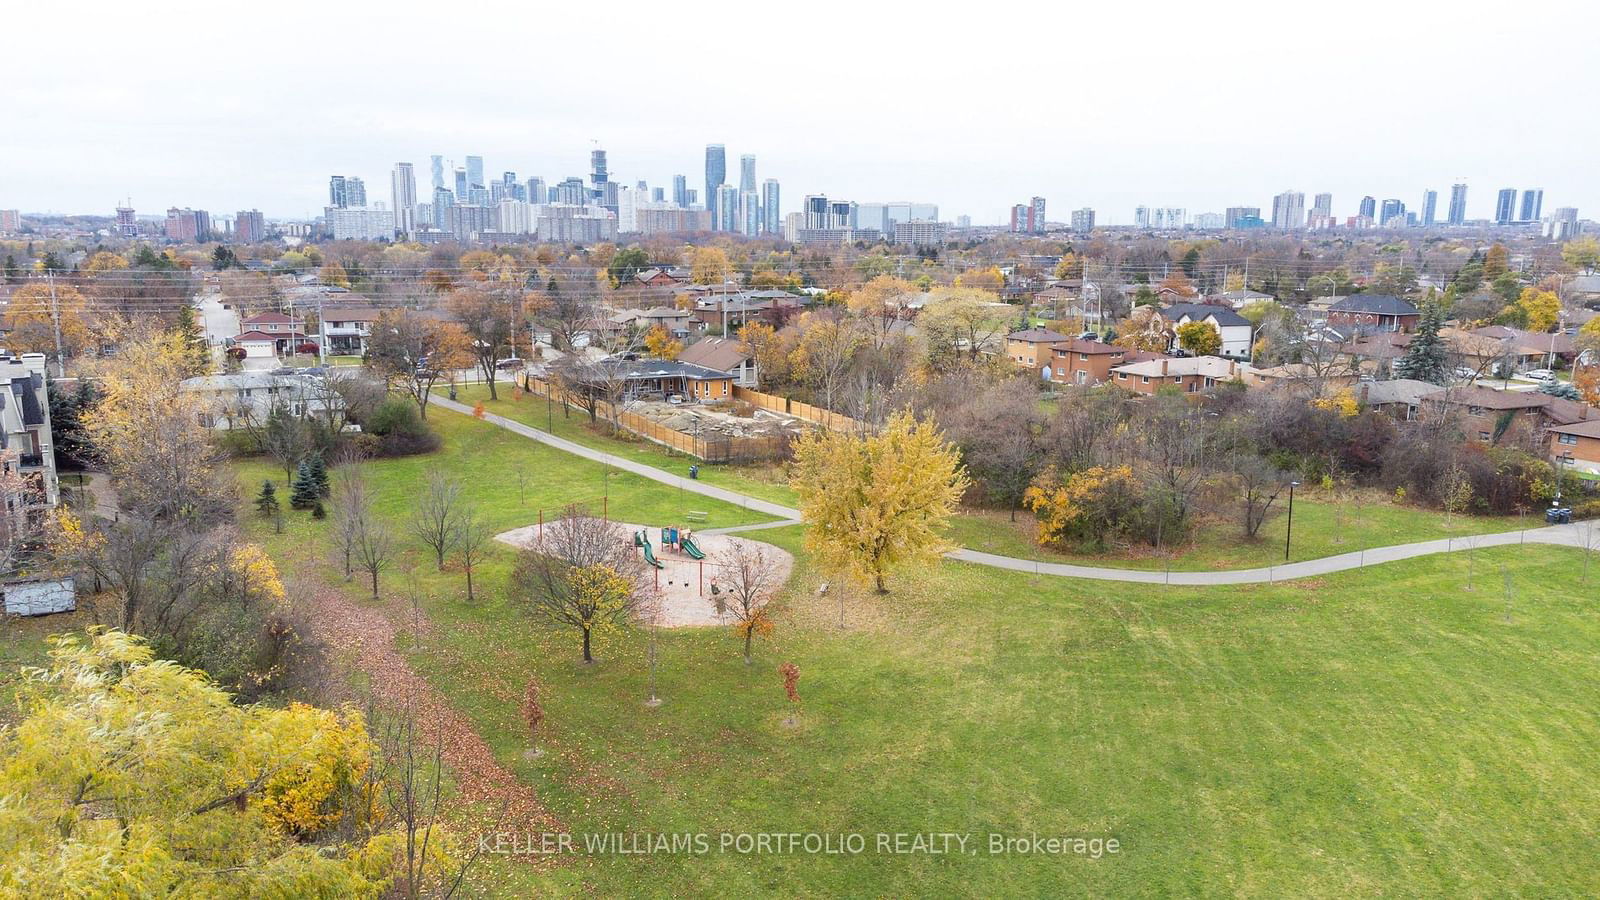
column 684, row 567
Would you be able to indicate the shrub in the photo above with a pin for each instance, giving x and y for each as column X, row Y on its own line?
column 400, row 430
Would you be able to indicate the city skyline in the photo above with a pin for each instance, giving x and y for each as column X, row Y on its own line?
column 225, row 145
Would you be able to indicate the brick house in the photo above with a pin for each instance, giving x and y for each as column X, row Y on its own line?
column 1374, row 312
column 1577, row 446
column 1492, row 417
column 1189, row 374
column 1084, row 362
column 1031, row 348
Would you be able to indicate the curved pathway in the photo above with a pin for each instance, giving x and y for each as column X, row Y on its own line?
column 1563, row 535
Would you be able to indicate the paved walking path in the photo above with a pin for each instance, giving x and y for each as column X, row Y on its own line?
column 1564, row 535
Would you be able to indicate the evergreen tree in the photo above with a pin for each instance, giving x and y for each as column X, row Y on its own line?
column 197, row 359
column 319, row 475
column 304, row 492
column 267, row 500
column 1557, row 388
column 1426, row 358
column 317, row 512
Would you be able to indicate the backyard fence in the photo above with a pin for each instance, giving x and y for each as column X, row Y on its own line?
column 709, row 448
column 816, row 415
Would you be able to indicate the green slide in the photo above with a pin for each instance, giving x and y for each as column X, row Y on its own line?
column 649, row 554
column 688, row 547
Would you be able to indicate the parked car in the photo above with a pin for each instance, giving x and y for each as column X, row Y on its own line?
column 1539, row 374
column 511, row 362
column 283, row 370
column 1466, row 373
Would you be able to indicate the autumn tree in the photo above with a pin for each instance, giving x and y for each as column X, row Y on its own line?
column 1200, row 338
column 960, row 323
column 34, row 314
column 1540, row 310
column 129, row 775
column 760, row 341
column 1180, row 284
column 413, row 351
column 1143, row 329
column 1083, row 508
column 709, row 265
column 581, row 573
column 147, row 431
column 879, row 305
column 877, row 501
column 660, row 344
column 490, row 322
column 822, row 358
column 989, row 279
column 1582, row 253
column 747, row 577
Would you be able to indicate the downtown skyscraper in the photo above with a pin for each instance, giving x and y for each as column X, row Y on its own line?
column 1289, row 211
column 747, row 173
column 1532, row 206
column 716, row 176
column 403, row 193
column 680, row 190
column 1430, row 207
column 1458, row 205
column 1505, row 206
column 771, row 211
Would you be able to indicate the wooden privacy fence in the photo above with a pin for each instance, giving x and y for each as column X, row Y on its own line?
column 816, row 415
column 711, row 448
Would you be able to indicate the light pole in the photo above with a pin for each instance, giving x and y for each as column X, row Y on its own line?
column 1289, row 531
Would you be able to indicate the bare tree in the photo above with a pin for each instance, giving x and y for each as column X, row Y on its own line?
column 413, row 351
column 352, row 507
column 411, row 784
column 472, row 541
column 489, row 319
column 1260, row 483
column 436, row 520
column 747, row 577
column 582, row 573
column 373, row 548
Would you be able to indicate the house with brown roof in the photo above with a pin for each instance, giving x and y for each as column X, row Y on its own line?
column 1494, row 417
column 1084, row 362
column 269, row 334
column 1577, row 446
column 723, row 355
column 1030, row 348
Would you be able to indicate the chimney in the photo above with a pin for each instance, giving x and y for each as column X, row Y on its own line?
column 1163, row 365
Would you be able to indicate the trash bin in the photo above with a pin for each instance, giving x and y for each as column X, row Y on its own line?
column 1558, row 515
column 694, row 472
column 452, row 392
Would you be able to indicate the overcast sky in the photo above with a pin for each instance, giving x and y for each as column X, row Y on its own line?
column 971, row 106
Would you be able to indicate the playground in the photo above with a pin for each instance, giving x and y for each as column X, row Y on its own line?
column 683, row 563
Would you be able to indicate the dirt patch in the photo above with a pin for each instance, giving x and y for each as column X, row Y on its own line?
column 712, row 420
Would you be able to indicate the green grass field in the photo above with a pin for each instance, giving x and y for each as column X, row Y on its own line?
column 765, row 482
column 1377, row 731
column 1321, row 529
column 1381, row 731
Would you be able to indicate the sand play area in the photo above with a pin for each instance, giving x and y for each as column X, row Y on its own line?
column 684, row 582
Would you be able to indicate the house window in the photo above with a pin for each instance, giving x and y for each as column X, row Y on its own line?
column 1566, row 439
column 1193, row 387
column 1474, row 410
column 1146, row 379
column 1483, row 436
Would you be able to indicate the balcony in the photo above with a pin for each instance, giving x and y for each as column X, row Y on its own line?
column 30, row 460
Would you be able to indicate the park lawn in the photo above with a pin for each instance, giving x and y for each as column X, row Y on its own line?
column 1377, row 730
column 1339, row 736
column 23, row 643
column 765, row 482
column 1321, row 529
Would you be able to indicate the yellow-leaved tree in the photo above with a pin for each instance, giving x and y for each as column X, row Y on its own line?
column 659, row 344
column 1542, row 308
column 710, row 265
column 879, row 501
column 133, row 776
column 36, row 309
